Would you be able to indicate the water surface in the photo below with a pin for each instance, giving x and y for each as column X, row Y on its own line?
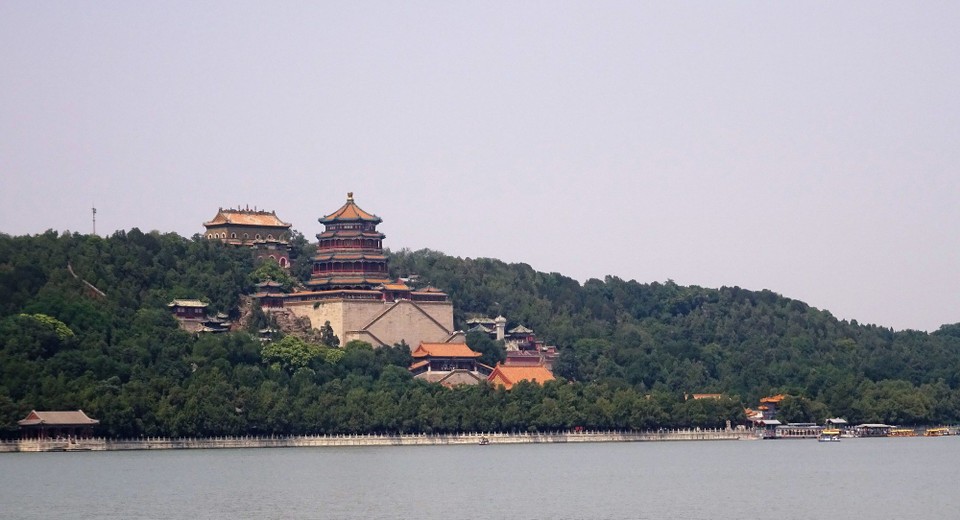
column 783, row 479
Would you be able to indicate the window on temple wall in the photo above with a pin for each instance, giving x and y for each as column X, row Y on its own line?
column 209, row 235
column 258, row 236
column 283, row 262
column 233, row 235
column 246, row 236
column 270, row 237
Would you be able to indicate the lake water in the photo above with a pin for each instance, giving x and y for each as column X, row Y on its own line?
column 784, row 479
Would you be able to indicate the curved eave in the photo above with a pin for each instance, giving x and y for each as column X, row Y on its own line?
column 350, row 212
column 282, row 225
column 344, row 233
column 349, row 255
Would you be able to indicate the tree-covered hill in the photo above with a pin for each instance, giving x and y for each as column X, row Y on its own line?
column 661, row 336
column 84, row 324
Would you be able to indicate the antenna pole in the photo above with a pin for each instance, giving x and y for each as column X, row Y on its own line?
column 94, row 209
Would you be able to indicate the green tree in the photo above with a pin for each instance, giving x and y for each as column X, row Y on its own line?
column 795, row 409
column 327, row 337
column 268, row 270
column 290, row 353
column 492, row 352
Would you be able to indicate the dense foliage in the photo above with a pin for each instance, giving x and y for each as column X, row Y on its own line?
column 84, row 324
column 745, row 344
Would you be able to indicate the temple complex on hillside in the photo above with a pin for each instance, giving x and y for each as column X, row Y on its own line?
column 259, row 230
column 521, row 343
column 350, row 287
column 454, row 364
column 766, row 413
column 192, row 316
column 450, row 364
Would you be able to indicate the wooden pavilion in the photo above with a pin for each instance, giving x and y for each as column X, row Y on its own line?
column 57, row 425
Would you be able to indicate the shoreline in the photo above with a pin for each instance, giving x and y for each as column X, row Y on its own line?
column 320, row 441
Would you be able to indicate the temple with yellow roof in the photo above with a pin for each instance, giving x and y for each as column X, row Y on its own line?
column 450, row 364
column 509, row 375
column 351, row 288
column 455, row 364
column 259, row 230
column 349, row 251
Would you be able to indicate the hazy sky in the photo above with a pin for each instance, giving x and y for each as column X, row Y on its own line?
column 808, row 148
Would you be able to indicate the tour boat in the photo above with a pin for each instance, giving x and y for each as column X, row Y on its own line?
column 902, row 432
column 829, row 436
column 936, row 432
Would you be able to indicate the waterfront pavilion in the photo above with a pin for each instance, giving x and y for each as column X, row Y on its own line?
column 57, row 425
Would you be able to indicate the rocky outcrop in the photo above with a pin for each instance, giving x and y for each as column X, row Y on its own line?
column 281, row 319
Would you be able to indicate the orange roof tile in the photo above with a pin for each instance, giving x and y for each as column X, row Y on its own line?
column 460, row 350
column 350, row 211
column 246, row 217
column 511, row 375
column 396, row 286
column 773, row 399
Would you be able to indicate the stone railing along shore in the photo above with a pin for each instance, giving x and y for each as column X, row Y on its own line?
column 310, row 441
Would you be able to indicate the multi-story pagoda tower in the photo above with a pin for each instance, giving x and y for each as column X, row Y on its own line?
column 349, row 251
column 349, row 288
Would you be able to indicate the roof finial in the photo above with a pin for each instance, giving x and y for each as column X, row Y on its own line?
column 349, row 196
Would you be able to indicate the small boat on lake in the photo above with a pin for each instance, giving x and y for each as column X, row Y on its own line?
column 484, row 441
column 936, row 432
column 829, row 435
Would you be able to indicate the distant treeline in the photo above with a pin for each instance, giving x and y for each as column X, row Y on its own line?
column 630, row 352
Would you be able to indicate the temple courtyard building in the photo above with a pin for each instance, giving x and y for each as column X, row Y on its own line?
column 450, row 364
column 259, row 230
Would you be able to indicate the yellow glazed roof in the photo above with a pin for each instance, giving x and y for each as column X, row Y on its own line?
column 350, row 211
